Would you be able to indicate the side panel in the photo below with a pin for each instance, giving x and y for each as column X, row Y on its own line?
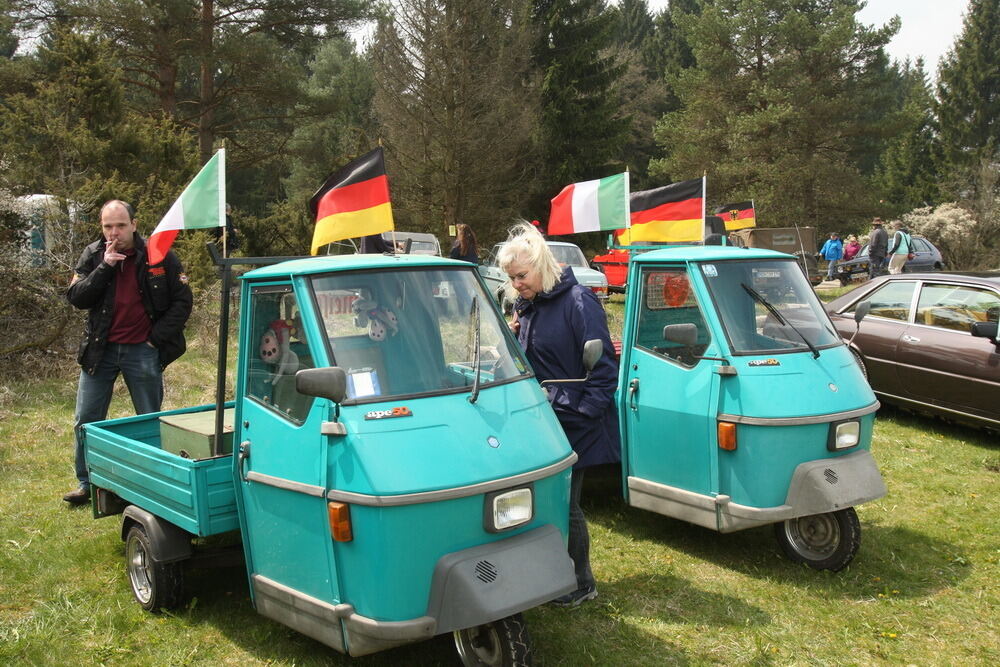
column 124, row 456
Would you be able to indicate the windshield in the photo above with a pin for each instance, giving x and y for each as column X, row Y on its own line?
column 767, row 307
column 568, row 255
column 414, row 332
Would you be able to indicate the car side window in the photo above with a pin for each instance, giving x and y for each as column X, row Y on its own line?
column 667, row 298
column 893, row 300
column 956, row 307
column 920, row 245
column 280, row 350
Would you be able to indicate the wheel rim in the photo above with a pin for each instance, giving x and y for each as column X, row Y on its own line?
column 138, row 570
column 814, row 537
column 479, row 645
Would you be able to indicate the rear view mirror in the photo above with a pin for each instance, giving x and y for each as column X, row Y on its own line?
column 684, row 334
column 592, row 351
column 328, row 383
column 985, row 330
column 861, row 310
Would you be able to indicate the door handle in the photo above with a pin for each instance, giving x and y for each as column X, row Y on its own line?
column 633, row 389
column 244, row 454
column 907, row 338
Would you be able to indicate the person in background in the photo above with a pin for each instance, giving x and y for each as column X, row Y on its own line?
column 852, row 247
column 555, row 316
column 464, row 247
column 832, row 251
column 878, row 244
column 900, row 249
column 135, row 324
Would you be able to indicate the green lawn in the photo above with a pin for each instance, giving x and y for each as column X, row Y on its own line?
column 923, row 589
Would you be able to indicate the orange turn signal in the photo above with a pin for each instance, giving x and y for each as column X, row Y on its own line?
column 727, row 436
column 340, row 521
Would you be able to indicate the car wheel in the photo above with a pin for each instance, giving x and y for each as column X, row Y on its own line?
column 502, row 643
column 822, row 541
column 861, row 362
column 155, row 585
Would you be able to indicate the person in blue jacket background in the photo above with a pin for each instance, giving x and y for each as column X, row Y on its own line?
column 555, row 316
column 832, row 251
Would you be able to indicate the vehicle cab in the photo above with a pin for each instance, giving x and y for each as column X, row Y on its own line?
column 740, row 405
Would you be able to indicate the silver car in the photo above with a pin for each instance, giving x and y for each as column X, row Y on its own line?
column 567, row 254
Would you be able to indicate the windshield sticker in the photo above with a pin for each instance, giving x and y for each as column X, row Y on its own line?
column 764, row 362
column 401, row 411
column 709, row 270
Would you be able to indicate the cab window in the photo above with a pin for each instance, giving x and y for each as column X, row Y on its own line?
column 956, row 307
column 667, row 298
column 279, row 349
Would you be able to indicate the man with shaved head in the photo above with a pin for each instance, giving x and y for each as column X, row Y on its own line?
column 135, row 324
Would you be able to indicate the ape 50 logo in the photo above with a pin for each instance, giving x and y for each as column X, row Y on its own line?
column 402, row 411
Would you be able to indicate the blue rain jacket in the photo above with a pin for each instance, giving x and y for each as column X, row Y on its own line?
column 554, row 327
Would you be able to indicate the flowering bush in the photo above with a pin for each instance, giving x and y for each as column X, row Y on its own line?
column 952, row 229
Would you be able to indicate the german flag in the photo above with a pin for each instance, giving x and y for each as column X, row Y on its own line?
column 674, row 213
column 738, row 216
column 354, row 201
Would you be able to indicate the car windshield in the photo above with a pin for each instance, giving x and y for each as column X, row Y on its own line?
column 768, row 307
column 568, row 255
column 414, row 331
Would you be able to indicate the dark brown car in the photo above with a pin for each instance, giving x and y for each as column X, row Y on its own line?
column 929, row 342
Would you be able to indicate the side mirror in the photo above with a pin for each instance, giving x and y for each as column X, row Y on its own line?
column 985, row 330
column 861, row 310
column 592, row 351
column 323, row 383
column 685, row 334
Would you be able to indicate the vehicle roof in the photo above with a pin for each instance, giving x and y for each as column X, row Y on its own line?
column 328, row 263
column 422, row 236
column 703, row 253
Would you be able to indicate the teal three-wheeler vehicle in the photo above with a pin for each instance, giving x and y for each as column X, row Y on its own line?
column 739, row 404
column 397, row 474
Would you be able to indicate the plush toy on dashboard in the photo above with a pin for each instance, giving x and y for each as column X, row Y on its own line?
column 380, row 322
column 275, row 348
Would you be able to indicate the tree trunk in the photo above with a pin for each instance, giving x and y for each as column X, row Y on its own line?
column 206, row 134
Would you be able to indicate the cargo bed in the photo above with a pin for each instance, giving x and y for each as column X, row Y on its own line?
column 125, row 457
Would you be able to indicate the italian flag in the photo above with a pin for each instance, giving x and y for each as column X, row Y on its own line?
column 591, row 206
column 202, row 205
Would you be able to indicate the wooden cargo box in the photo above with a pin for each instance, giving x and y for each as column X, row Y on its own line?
column 190, row 435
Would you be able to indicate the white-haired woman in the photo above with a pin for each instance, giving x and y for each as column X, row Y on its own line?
column 555, row 317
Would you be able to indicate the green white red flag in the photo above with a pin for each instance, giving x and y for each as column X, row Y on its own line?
column 202, row 205
column 590, row 206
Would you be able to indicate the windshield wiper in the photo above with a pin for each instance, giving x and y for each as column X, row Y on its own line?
column 781, row 320
column 474, row 313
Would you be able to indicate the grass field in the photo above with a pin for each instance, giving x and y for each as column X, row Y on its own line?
column 924, row 588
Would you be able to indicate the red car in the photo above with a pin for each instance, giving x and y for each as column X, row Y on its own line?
column 929, row 342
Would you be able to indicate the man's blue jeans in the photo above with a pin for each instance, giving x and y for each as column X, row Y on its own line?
column 139, row 364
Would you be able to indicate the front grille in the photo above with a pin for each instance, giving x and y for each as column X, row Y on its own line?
column 831, row 476
column 486, row 572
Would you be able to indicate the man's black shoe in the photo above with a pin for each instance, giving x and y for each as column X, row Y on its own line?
column 78, row 497
column 576, row 598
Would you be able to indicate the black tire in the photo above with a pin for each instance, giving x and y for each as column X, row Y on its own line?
column 503, row 643
column 821, row 541
column 861, row 362
column 155, row 585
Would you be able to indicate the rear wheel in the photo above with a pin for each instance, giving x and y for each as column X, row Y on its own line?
column 821, row 541
column 502, row 643
column 154, row 585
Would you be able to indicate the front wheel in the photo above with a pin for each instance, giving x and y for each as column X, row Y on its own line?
column 503, row 643
column 821, row 541
column 154, row 585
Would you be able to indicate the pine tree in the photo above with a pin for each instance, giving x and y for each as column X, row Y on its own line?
column 786, row 102
column 968, row 92
column 582, row 124
column 907, row 176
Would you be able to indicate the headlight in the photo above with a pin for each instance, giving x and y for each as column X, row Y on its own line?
column 508, row 509
column 844, row 435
